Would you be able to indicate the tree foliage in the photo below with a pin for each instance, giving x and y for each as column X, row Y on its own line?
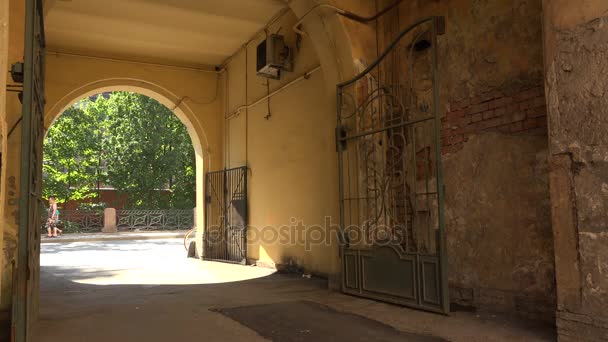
column 128, row 141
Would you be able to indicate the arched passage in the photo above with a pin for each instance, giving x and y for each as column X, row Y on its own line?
column 193, row 94
column 197, row 95
column 179, row 108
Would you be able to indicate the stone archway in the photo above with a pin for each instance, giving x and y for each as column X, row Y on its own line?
column 178, row 107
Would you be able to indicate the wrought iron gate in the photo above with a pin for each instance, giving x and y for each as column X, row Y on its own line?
column 391, row 192
column 25, row 292
column 225, row 236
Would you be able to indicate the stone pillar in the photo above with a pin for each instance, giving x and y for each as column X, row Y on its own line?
column 109, row 221
column 193, row 217
column 198, row 235
column 575, row 40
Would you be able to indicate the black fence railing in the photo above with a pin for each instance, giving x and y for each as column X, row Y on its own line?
column 154, row 219
column 92, row 221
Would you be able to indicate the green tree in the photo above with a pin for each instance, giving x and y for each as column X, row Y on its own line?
column 71, row 154
column 128, row 141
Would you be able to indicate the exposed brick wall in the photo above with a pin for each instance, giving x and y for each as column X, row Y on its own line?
column 508, row 114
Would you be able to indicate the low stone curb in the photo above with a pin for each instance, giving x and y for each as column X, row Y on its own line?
column 112, row 237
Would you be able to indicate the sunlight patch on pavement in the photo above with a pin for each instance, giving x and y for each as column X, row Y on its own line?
column 152, row 262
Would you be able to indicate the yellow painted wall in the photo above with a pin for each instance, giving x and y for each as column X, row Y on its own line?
column 289, row 147
column 12, row 159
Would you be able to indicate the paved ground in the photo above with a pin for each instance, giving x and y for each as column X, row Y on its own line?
column 148, row 291
column 145, row 235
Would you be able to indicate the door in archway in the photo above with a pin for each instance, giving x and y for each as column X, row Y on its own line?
column 391, row 191
column 25, row 301
column 225, row 237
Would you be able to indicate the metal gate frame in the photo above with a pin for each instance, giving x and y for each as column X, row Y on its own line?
column 226, row 216
column 25, row 288
column 400, row 253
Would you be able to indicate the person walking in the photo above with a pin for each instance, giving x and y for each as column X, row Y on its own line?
column 51, row 222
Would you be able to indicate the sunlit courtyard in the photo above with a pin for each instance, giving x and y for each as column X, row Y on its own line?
column 142, row 262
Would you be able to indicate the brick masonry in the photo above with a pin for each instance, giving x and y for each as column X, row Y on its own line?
column 517, row 113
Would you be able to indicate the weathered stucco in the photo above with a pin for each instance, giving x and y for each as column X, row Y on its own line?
column 498, row 226
column 576, row 64
column 488, row 45
column 579, row 60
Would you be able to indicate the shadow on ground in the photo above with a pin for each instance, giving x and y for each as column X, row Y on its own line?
column 223, row 302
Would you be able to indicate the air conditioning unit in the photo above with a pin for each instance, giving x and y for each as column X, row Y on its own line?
column 273, row 56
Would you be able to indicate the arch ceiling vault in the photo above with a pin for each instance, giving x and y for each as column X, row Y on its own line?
column 190, row 33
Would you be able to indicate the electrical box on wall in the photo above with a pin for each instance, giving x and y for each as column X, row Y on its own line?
column 273, row 56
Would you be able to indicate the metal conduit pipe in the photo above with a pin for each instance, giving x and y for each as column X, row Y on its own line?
column 305, row 76
column 344, row 13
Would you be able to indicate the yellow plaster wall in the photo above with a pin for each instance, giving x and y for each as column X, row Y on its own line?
column 11, row 162
column 289, row 147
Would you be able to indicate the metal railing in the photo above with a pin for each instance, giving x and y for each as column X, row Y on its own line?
column 154, row 219
column 78, row 221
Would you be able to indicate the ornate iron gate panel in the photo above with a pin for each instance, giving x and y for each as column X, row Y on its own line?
column 25, row 299
column 391, row 192
column 225, row 236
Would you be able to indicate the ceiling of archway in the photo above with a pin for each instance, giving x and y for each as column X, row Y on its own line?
column 194, row 33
